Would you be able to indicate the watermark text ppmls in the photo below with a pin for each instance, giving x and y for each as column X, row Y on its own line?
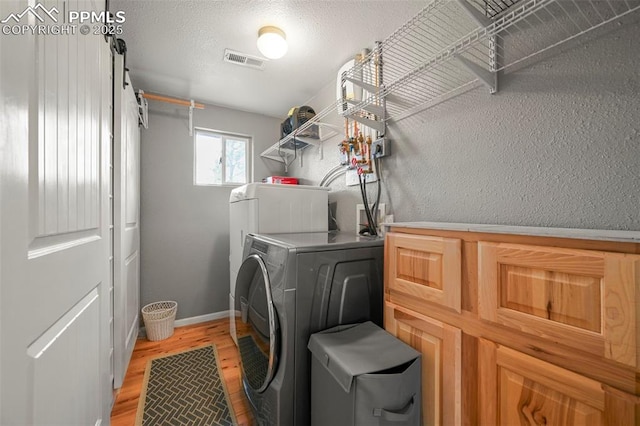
column 40, row 20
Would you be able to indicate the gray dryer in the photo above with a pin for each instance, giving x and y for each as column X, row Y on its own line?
column 288, row 287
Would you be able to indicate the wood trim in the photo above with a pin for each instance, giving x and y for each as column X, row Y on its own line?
column 487, row 277
column 621, row 316
column 469, row 380
column 556, row 333
column 621, row 408
column 470, row 271
column 421, row 322
column 451, row 375
column 487, row 382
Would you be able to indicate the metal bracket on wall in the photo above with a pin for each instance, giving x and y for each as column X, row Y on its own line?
column 378, row 111
column 191, row 107
column 191, row 104
column 488, row 77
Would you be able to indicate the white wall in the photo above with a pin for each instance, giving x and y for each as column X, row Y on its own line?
column 185, row 228
column 559, row 145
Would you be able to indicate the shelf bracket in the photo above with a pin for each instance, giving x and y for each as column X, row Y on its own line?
column 480, row 19
column 376, row 110
column 366, row 86
column 489, row 78
column 191, row 107
column 285, row 156
column 374, row 124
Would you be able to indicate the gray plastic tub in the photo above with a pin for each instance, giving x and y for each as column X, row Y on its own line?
column 362, row 375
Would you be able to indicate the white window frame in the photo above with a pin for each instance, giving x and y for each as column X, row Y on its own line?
column 224, row 136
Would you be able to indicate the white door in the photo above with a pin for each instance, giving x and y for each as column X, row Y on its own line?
column 54, row 275
column 126, row 197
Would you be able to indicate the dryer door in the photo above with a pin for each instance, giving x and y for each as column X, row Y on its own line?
column 257, row 326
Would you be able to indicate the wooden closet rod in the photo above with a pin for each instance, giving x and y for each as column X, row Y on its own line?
column 167, row 99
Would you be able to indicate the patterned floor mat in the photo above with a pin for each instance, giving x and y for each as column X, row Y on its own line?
column 185, row 389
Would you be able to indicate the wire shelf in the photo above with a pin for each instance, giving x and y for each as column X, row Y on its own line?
column 451, row 45
column 535, row 26
column 286, row 150
column 440, row 52
column 492, row 8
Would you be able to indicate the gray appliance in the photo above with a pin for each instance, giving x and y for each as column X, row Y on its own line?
column 288, row 287
column 363, row 376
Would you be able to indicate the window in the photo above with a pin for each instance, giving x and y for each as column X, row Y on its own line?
column 221, row 158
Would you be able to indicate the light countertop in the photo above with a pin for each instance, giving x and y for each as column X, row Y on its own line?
column 584, row 234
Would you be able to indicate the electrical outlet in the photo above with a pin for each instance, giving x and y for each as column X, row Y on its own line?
column 380, row 148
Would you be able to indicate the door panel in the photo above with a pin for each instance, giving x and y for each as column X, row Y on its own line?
column 54, row 225
column 53, row 389
column 126, row 196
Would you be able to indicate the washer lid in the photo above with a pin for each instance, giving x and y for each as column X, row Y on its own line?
column 257, row 190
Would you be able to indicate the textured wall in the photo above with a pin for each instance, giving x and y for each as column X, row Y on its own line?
column 185, row 228
column 559, row 145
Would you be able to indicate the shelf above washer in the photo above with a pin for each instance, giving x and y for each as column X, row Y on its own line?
column 451, row 45
column 286, row 150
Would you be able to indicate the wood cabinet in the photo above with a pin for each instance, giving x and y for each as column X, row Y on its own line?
column 440, row 346
column 427, row 268
column 520, row 389
column 518, row 329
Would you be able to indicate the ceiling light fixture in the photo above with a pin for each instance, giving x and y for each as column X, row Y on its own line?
column 272, row 42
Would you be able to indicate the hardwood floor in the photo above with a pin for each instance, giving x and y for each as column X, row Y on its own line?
column 216, row 332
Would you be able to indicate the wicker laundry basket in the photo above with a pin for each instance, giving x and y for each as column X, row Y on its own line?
column 158, row 319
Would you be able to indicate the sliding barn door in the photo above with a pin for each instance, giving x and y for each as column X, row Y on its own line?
column 54, row 256
column 126, row 214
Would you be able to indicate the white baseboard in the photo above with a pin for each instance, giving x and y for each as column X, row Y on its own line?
column 202, row 318
column 194, row 320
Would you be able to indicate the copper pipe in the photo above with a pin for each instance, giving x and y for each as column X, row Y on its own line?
column 169, row 100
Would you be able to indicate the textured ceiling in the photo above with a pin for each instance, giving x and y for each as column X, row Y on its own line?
column 176, row 48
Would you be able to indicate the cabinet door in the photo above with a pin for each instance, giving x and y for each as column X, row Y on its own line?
column 440, row 346
column 425, row 268
column 585, row 299
column 517, row 389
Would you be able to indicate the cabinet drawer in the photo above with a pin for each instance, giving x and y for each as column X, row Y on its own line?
column 519, row 389
column 426, row 268
column 582, row 298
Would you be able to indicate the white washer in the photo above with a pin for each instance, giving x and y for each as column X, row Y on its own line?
column 269, row 209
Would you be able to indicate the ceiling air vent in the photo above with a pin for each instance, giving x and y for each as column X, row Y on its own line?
column 243, row 59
